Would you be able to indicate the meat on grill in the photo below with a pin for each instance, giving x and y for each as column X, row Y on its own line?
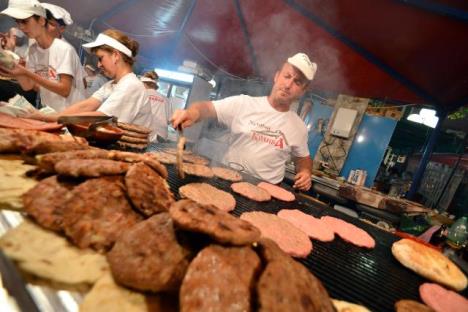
column 97, row 213
column 441, row 299
column 147, row 190
column 349, row 232
column 197, row 170
column 277, row 192
column 56, row 146
column 148, row 257
column 90, row 168
column 251, row 191
column 220, row 279
column 47, row 162
column 45, row 201
column 206, row 194
column 221, row 226
column 18, row 140
column 227, row 174
column 288, row 237
column 314, row 227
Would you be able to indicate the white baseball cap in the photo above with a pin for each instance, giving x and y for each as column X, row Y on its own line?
column 103, row 39
column 58, row 13
column 22, row 9
column 302, row 62
column 147, row 79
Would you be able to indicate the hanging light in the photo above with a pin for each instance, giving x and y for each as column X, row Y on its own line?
column 426, row 117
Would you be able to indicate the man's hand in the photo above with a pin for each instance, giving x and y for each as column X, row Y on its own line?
column 185, row 118
column 17, row 70
column 302, row 181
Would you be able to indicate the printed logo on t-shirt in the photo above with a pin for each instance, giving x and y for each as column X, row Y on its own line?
column 155, row 99
column 265, row 134
column 47, row 72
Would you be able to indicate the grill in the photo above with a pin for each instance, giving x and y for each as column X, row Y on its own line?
column 373, row 278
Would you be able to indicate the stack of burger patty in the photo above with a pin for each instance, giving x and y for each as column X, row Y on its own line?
column 135, row 137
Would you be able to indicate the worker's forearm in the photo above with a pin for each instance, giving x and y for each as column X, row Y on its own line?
column 201, row 110
column 303, row 164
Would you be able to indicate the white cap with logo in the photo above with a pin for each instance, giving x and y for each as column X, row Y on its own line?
column 58, row 13
column 302, row 62
column 22, row 9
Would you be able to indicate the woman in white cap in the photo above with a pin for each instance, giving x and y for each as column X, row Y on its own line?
column 264, row 132
column 124, row 96
column 52, row 65
column 160, row 113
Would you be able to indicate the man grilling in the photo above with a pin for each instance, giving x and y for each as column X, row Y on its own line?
column 264, row 132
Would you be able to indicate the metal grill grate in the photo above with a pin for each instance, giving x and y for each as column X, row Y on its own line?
column 373, row 278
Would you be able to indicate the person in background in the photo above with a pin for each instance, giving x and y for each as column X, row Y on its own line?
column 159, row 107
column 52, row 65
column 16, row 41
column 124, row 96
column 264, row 132
column 93, row 80
column 57, row 20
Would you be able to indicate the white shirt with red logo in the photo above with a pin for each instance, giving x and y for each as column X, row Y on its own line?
column 59, row 58
column 125, row 100
column 159, row 113
column 262, row 138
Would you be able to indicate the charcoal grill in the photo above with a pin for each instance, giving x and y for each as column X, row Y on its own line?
column 373, row 278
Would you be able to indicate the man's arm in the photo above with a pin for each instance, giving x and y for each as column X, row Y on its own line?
column 196, row 112
column 303, row 180
column 85, row 107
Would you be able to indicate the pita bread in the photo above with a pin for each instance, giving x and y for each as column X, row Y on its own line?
column 344, row 306
column 429, row 263
column 106, row 295
column 50, row 256
column 14, row 183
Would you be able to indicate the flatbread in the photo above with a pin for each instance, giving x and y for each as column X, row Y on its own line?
column 48, row 255
column 344, row 306
column 429, row 263
column 14, row 183
column 106, row 295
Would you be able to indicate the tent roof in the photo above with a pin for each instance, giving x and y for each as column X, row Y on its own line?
column 410, row 50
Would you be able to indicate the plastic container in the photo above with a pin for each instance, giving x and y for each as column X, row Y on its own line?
column 458, row 233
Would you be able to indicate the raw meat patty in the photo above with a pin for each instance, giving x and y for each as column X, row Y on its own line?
column 277, row 192
column 227, row 174
column 349, row 232
column 198, row 170
column 288, row 237
column 251, row 191
column 441, row 299
column 315, row 228
column 206, row 194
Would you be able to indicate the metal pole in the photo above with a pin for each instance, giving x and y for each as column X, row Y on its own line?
column 426, row 156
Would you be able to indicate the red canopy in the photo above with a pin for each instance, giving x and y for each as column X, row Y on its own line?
column 413, row 50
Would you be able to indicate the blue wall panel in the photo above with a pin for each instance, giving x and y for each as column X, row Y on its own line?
column 319, row 111
column 369, row 146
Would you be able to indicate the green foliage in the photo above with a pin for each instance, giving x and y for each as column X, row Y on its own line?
column 461, row 113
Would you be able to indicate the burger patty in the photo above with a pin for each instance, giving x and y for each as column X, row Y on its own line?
column 207, row 219
column 195, row 159
column 148, row 257
column 130, row 139
column 90, row 168
column 197, row 170
column 134, row 158
column 227, row 174
column 220, row 279
column 134, row 134
column 206, row 194
column 148, row 191
column 127, row 145
column 47, row 162
column 97, row 212
column 18, row 140
column 286, row 285
column 56, row 146
column 251, row 191
column 134, row 128
column 45, row 201
column 162, row 157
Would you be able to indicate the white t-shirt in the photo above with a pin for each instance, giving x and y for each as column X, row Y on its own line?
column 261, row 138
column 125, row 100
column 59, row 58
column 159, row 113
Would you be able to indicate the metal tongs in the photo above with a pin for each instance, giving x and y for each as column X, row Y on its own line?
column 180, row 152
